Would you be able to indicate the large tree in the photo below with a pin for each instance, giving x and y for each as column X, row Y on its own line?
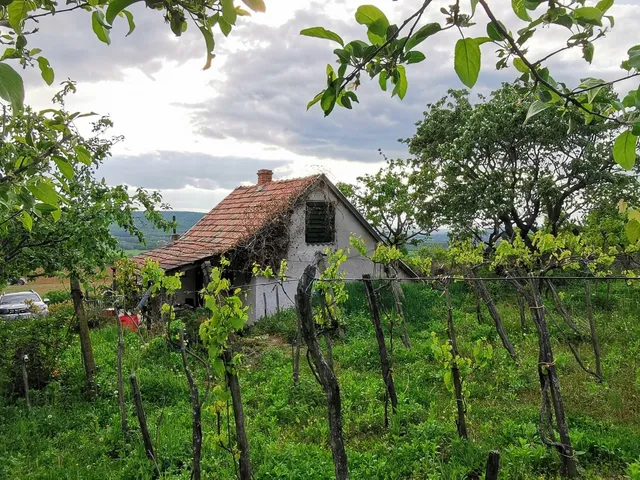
column 389, row 49
column 500, row 173
column 395, row 200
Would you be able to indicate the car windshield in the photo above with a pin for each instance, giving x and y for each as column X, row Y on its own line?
column 18, row 298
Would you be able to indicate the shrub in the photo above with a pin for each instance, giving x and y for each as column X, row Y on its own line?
column 42, row 339
column 58, row 296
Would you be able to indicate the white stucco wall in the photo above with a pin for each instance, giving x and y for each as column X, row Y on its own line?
column 300, row 254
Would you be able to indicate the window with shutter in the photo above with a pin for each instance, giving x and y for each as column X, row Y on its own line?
column 320, row 223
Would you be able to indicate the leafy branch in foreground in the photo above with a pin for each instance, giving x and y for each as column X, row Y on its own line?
column 17, row 17
column 386, row 53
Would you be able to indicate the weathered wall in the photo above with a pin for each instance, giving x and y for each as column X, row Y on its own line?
column 300, row 254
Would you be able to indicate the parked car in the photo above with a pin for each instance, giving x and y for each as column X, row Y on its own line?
column 22, row 305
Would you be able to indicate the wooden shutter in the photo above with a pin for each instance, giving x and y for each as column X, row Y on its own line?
column 320, row 222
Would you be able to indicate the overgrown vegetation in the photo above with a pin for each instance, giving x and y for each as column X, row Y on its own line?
column 64, row 436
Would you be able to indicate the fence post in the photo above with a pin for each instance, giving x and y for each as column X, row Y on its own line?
column 387, row 375
column 325, row 375
column 493, row 466
column 25, row 378
column 142, row 420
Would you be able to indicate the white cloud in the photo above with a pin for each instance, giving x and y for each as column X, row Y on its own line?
column 251, row 104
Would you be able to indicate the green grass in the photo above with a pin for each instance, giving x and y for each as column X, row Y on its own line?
column 66, row 437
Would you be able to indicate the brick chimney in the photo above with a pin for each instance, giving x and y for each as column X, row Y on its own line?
column 264, row 176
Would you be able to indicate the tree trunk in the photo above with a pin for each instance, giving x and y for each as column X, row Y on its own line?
column 547, row 371
column 142, row 420
column 495, row 315
column 123, row 408
column 85, row 339
column 325, row 374
column 461, row 423
column 387, row 375
column 493, row 466
column 238, row 415
column 196, row 413
column 523, row 315
column 592, row 327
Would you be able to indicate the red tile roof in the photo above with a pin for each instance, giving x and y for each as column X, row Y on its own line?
column 235, row 219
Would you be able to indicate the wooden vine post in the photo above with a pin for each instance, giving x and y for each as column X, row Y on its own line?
column 461, row 423
column 142, row 420
column 88, row 359
column 493, row 466
column 497, row 318
column 324, row 373
column 22, row 358
column 592, row 327
column 121, row 402
column 550, row 384
column 196, row 412
column 385, row 364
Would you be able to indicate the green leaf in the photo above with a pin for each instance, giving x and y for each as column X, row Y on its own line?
column 414, row 57
column 83, row 154
column 315, row 100
column 18, row 10
column 636, row 129
column 65, row 167
column 632, row 229
column 467, row 61
column 535, row 108
column 590, row 14
column 493, row 32
column 225, row 27
column 55, row 214
column 624, row 150
column 44, row 192
column 423, row 33
column 97, row 23
column 321, row 32
column 474, row 4
column 587, row 52
column 382, row 80
column 132, row 25
column 401, row 84
column 45, row 208
column 229, row 11
column 115, row 7
column 368, row 15
column 210, row 43
column 218, row 366
column 328, row 100
column 255, row 5
column 604, row 5
column 520, row 65
column 520, row 10
column 11, row 87
column 594, row 86
column 45, row 70
column 27, row 220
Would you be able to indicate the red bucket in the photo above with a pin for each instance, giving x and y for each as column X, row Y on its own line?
column 129, row 321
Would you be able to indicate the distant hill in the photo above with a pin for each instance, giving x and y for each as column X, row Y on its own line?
column 154, row 237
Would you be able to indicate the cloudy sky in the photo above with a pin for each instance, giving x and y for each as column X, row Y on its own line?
column 195, row 135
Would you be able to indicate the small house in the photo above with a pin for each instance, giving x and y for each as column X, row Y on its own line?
column 264, row 224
